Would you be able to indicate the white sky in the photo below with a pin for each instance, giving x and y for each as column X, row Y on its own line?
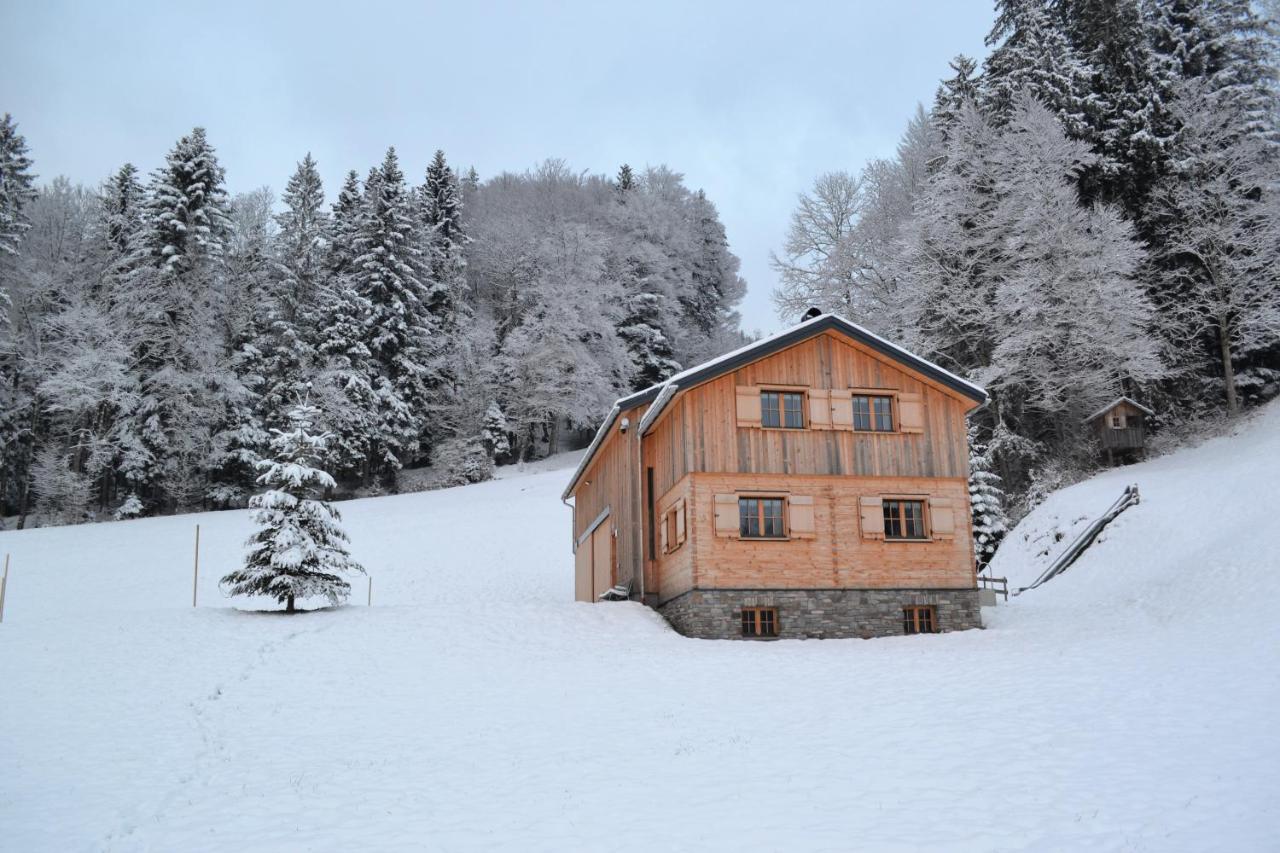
column 749, row 100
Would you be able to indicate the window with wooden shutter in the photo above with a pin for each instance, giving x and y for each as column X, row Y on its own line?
column 681, row 523
column 872, row 517
column 942, row 518
column 664, row 536
column 800, row 518
column 748, row 406
column 726, row 515
column 910, row 412
column 819, row 408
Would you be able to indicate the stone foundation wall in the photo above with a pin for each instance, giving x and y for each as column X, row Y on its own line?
column 716, row 614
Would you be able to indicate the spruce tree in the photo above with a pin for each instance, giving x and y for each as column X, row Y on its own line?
column 301, row 550
column 1032, row 54
column 16, row 186
column 955, row 92
column 174, row 282
column 398, row 329
column 16, row 192
column 292, row 327
column 987, row 499
column 448, row 311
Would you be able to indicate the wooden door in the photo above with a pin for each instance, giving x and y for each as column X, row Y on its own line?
column 602, row 560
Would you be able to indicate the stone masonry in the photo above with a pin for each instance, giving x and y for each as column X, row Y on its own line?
column 716, row 614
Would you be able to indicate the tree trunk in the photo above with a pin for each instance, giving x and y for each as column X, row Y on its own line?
column 1228, row 372
column 288, row 608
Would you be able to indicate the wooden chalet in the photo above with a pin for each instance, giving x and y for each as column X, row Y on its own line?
column 811, row 484
column 1121, row 428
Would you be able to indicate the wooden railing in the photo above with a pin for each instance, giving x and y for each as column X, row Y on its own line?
column 1123, row 439
column 997, row 585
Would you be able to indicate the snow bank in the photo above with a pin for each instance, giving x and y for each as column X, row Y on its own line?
column 1128, row 704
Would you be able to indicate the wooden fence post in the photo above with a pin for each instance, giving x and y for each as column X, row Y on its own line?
column 195, row 575
column 4, row 582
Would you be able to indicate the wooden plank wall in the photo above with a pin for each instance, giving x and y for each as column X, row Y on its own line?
column 700, row 433
column 614, row 480
column 673, row 572
column 838, row 556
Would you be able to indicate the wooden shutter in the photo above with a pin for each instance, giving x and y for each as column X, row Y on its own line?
column 666, row 543
column 910, row 412
column 680, row 523
column 942, row 518
column 726, row 515
column 872, row 518
column 748, row 406
column 800, row 517
column 819, row 408
column 841, row 409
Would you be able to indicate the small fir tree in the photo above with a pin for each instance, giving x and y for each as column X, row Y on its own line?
column 987, row 499
column 300, row 550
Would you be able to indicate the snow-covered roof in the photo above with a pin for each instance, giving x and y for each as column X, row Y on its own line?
column 1117, row 401
column 662, row 393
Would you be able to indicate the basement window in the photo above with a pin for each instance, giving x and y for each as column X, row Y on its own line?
column 761, row 518
column 872, row 414
column 782, row 409
column 759, row 622
column 921, row 619
column 903, row 519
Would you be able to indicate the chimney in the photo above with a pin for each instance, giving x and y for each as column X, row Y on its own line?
column 811, row 314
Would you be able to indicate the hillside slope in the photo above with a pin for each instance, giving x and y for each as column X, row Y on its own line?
column 1126, row 705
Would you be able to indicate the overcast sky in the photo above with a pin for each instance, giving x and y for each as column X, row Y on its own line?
column 749, row 100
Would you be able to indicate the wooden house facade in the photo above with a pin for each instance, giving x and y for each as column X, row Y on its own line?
column 813, row 484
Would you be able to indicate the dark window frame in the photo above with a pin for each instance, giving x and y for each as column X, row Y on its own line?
column 762, row 518
column 781, row 415
column 920, row 619
column 759, row 622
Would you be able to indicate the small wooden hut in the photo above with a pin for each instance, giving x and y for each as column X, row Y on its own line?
column 1121, row 428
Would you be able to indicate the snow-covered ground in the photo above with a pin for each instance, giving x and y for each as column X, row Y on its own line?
column 1130, row 704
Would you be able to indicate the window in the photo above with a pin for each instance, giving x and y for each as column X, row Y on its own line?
column 872, row 414
column 759, row 622
column 782, row 409
column 903, row 519
column 673, row 527
column 919, row 620
column 760, row 518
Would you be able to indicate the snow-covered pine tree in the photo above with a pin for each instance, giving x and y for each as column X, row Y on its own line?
column 1127, row 120
column 300, row 551
column 174, row 285
column 625, row 182
column 954, row 92
column 343, row 388
column 16, row 192
column 641, row 331
column 987, row 499
column 1032, row 54
column 292, row 326
column 398, row 329
column 447, row 308
column 344, row 227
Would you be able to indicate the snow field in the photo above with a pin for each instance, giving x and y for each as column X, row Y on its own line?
column 1126, row 705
